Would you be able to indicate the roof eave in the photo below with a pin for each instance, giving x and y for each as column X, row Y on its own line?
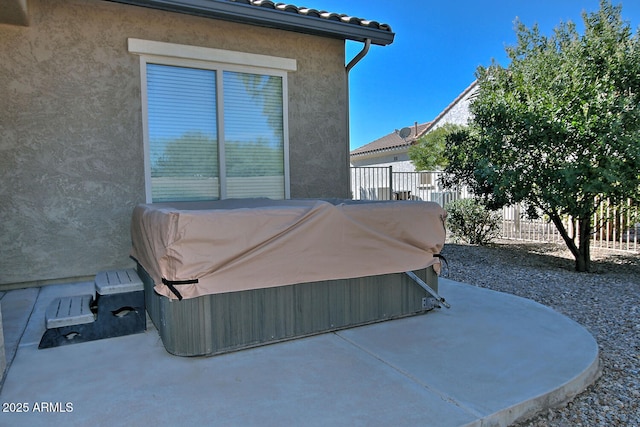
column 382, row 150
column 267, row 17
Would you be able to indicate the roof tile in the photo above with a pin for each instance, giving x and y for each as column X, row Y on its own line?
column 393, row 141
column 265, row 3
column 323, row 14
column 278, row 15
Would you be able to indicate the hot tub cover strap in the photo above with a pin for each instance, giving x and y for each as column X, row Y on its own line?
column 170, row 284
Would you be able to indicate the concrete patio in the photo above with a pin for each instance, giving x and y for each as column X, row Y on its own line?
column 491, row 359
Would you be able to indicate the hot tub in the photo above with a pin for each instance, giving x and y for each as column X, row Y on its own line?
column 226, row 275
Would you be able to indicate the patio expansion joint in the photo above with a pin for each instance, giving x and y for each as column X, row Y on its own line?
column 10, row 353
column 444, row 396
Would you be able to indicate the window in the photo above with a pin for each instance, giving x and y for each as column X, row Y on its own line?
column 215, row 123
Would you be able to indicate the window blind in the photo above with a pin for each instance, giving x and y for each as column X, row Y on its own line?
column 183, row 146
column 183, row 134
column 253, row 135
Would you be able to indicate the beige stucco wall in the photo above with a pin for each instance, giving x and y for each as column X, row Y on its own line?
column 71, row 150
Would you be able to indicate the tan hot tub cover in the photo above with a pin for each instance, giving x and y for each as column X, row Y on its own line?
column 234, row 245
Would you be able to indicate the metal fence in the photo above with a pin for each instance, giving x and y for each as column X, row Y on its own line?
column 616, row 227
column 381, row 183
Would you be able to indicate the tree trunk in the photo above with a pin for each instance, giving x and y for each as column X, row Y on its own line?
column 580, row 252
column 583, row 260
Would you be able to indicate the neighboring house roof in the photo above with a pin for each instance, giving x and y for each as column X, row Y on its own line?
column 459, row 98
column 278, row 15
column 393, row 141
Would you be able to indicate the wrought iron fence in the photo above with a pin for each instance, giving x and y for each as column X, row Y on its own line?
column 616, row 227
column 381, row 183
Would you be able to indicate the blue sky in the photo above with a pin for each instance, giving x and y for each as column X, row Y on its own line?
column 437, row 48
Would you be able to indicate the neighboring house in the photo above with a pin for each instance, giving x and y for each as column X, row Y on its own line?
column 392, row 151
column 108, row 104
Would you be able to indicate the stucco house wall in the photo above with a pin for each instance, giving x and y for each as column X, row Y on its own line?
column 71, row 132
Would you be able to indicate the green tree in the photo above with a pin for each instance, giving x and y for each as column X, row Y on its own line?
column 429, row 152
column 244, row 159
column 177, row 157
column 559, row 128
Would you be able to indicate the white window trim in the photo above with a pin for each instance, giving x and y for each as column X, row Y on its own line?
column 214, row 59
column 180, row 51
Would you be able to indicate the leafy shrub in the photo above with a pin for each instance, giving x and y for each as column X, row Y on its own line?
column 471, row 221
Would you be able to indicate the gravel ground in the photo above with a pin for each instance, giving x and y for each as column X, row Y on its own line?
column 606, row 302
